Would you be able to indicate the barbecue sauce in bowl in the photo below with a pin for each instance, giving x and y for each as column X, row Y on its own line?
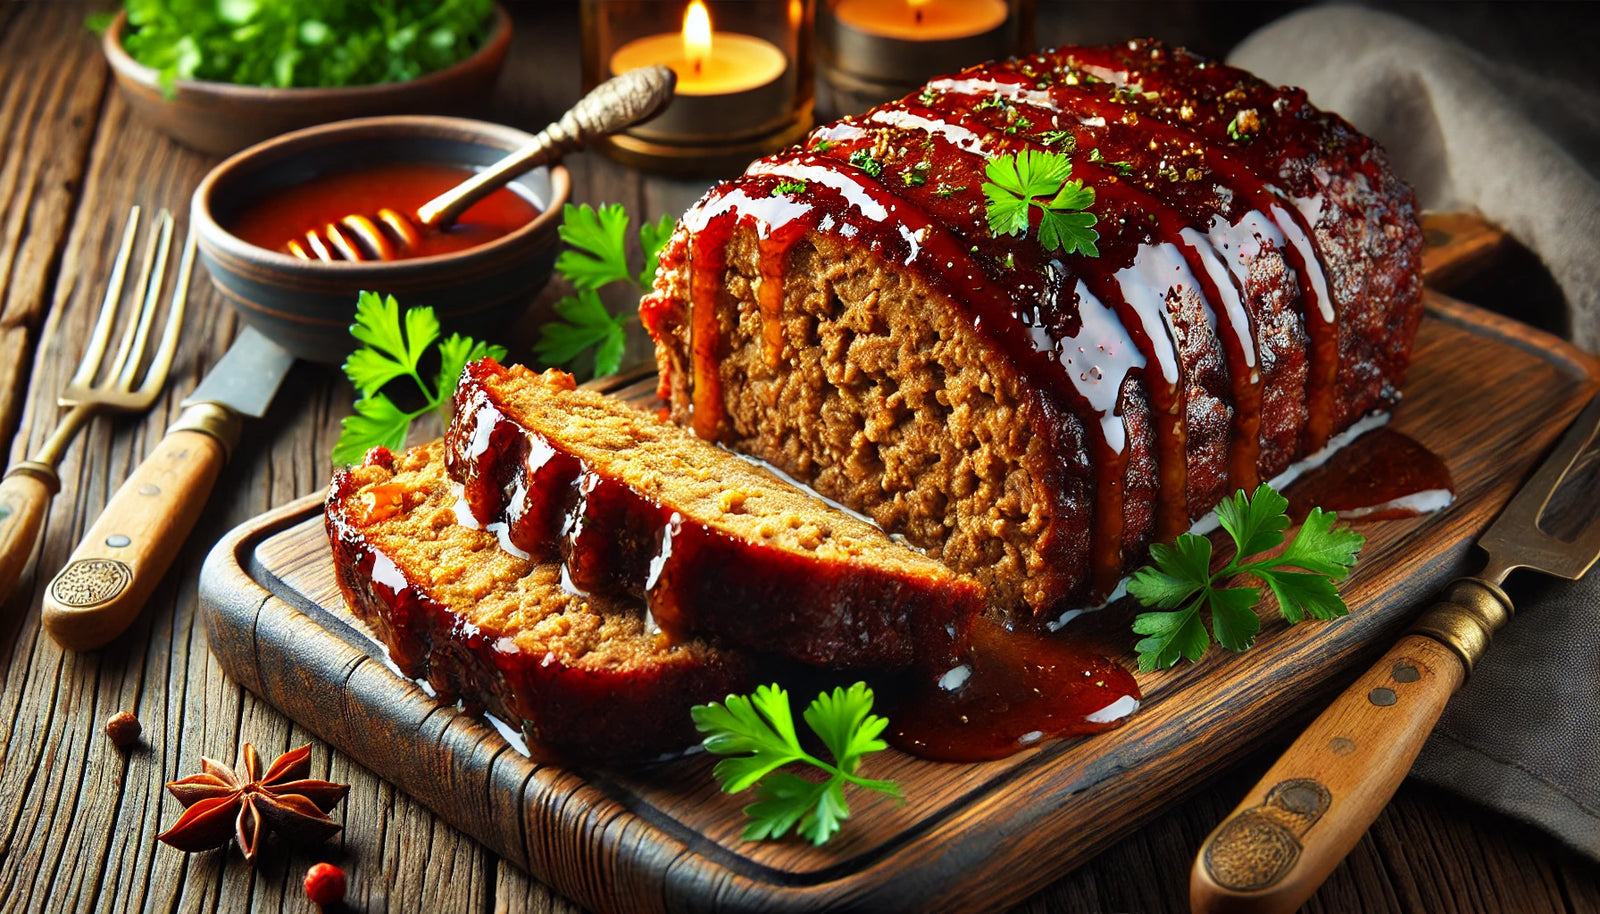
column 288, row 214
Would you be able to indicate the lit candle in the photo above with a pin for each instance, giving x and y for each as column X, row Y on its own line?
column 922, row 20
column 878, row 49
column 728, row 84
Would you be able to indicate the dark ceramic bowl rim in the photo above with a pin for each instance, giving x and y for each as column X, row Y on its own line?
column 211, row 233
column 123, row 62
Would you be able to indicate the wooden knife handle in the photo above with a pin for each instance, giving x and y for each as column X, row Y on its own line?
column 1309, row 810
column 25, row 495
column 124, row 555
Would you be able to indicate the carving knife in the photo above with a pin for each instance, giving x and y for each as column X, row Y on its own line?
column 1315, row 803
column 121, row 558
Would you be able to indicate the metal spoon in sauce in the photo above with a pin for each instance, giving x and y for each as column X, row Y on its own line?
column 622, row 101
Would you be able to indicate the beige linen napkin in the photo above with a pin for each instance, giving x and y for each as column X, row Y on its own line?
column 1468, row 132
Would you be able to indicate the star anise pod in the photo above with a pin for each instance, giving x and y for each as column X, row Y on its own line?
column 223, row 805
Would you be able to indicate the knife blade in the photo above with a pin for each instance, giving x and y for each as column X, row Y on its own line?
column 122, row 557
column 1309, row 810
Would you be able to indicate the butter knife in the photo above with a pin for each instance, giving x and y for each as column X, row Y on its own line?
column 1309, row 810
column 122, row 557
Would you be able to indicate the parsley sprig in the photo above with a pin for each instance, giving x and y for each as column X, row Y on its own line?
column 1181, row 581
column 597, row 258
column 757, row 733
column 394, row 349
column 1039, row 178
column 295, row 43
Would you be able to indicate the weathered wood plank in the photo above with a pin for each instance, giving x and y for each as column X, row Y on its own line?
column 47, row 119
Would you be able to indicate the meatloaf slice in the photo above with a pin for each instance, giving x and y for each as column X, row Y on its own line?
column 585, row 678
column 633, row 505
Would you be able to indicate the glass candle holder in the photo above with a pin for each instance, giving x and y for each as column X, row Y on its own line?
column 872, row 51
column 744, row 77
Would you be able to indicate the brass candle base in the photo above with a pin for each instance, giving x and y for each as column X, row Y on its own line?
column 706, row 157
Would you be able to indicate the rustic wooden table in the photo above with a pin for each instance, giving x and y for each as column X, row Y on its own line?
column 78, row 818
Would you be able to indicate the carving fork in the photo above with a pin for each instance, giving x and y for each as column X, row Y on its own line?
column 1315, row 803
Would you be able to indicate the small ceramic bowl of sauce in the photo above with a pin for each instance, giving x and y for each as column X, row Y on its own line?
column 478, row 276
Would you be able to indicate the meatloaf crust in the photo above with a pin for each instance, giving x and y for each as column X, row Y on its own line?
column 634, row 506
column 1035, row 418
column 584, row 678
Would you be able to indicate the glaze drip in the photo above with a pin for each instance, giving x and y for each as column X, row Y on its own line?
column 1220, row 202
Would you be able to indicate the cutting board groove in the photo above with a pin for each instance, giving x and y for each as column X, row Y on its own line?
column 1487, row 394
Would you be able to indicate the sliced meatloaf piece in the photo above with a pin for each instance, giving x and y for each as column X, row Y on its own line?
column 1035, row 417
column 635, row 506
column 586, row 678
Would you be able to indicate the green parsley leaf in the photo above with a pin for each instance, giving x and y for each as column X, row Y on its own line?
column 1233, row 617
column 1321, row 548
column 1256, row 524
column 1172, row 635
column 652, row 238
column 787, row 186
column 598, row 258
column 757, row 734
column 394, row 346
column 1061, row 139
column 862, row 159
column 1176, row 574
column 1180, row 580
column 300, row 43
column 1068, row 232
column 1122, row 168
column 1018, row 182
column 455, row 351
column 822, row 146
column 585, row 323
column 600, row 239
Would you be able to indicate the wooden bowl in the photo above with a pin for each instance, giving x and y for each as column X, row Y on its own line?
column 222, row 118
column 307, row 306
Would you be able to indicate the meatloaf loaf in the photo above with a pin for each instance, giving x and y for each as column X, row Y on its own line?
column 632, row 506
column 844, row 311
column 584, row 677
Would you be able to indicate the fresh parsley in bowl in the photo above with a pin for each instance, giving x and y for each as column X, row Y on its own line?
column 220, row 75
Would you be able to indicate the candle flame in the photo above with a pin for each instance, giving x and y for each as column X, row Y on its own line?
column 697, row 34
column 916, row 9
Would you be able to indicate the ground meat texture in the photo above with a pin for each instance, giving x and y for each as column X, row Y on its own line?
column 632, row 505
column 1034, row 418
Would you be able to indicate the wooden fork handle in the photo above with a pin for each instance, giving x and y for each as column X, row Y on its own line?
column 25, row 495
column 1309, row 810
column 125, row 554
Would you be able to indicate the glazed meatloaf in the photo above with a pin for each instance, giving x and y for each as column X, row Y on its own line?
column 584, row 677
column 1036, row 418
column 633, row 506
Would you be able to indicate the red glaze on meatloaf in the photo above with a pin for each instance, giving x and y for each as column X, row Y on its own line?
column 715, row 545
column 584, row 678
column 844, row 311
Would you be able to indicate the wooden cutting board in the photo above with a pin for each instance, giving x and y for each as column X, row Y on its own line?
column 1487, row 394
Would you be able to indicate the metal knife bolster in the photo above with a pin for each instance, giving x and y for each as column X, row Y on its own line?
column 1466, row 617
column 241, row 384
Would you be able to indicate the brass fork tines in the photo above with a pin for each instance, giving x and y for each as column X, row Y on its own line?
column 117, row 386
